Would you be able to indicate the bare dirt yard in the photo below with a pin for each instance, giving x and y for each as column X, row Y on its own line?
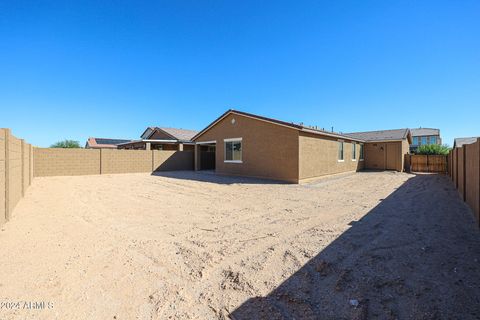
column 371, row 245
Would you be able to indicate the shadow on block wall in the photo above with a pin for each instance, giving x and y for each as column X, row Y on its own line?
column 414, row 256
column 166, row 161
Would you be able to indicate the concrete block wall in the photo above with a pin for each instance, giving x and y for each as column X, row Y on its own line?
column 70, row 162
column 173, row 160
column 472, row 177
column 20, row 162
column 3, row 211
column 126, row 161
column 461, row 172
column 66, row 162
column 15, row 172
column 465, row 174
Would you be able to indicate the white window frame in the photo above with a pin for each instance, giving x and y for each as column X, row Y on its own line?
column 343, row 150
column 225, row 150
column 360, row 154
column 354, row 151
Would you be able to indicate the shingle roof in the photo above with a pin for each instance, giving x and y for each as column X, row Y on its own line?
column 180, row 134
column 382, row 135
column 458, row 142
column 424, row 132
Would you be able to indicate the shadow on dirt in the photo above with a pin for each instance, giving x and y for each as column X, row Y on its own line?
column 212, row 177
column 414, row 256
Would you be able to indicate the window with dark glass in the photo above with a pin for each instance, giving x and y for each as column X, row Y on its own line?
column 233, row 150
column 340, row 150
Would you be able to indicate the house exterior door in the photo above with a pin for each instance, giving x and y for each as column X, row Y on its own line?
column 392, row 155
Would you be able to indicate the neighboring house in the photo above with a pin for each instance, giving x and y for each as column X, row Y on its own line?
column 424, row 136
column 240, row 143
column 459, row 142
column 385, row 149
column 103, row 143
column 162, row 138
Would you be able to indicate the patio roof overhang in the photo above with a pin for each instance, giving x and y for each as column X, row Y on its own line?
column 157, row 141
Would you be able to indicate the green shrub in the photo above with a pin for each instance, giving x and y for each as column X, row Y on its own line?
column 433, row 149
column 66, row 144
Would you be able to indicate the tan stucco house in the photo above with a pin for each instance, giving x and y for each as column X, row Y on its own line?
column 385, row 149
column 240, row 143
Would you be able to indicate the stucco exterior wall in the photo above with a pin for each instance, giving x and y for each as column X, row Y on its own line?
column 386, row 155
column 405, row 150
column 319, row 156
column 268, row 150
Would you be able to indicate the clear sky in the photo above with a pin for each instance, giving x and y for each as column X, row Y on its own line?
column 110, row 68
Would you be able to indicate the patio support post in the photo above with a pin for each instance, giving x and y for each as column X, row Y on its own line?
column 197, row 151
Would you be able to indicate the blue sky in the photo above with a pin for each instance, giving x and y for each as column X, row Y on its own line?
column 111, row 68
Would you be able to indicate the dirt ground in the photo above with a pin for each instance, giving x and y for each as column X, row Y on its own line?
column 372, row 245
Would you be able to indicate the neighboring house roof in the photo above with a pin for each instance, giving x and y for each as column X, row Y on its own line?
column 425, row 132
column 105, row 143
column 175, row 133
column 180, row 134
column 277, row 122
column 458, row 142
column 382, row 135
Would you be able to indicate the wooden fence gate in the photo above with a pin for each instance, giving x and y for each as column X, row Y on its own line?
column 424, row 163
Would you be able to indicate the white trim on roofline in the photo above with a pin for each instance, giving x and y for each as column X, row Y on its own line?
column 206, row 142
column 232, row 139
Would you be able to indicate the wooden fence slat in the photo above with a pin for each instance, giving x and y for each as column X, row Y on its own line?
column 428, row 163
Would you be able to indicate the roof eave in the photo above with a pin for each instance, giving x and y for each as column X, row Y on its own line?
column 273, row 121
column 333, row 135
column 384, row 140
